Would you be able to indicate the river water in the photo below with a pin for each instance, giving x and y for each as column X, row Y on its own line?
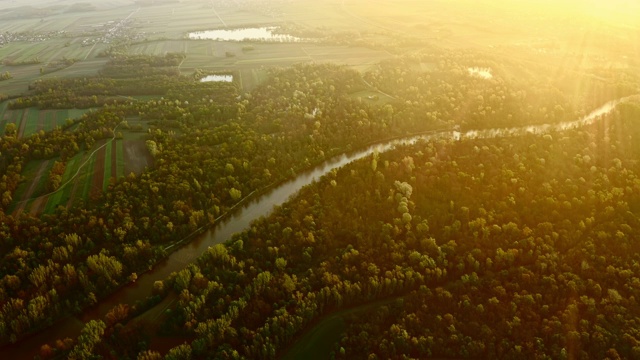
column 252, row 210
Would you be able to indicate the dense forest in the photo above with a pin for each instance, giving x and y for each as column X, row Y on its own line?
column 484, row 248
column 491, row 248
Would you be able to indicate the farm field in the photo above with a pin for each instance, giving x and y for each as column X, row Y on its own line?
column 208, row 53
column 511, row 23
column 160, row 47
column 3, row 107
column 19, row 19
column 22, row 76
column 47, row 51
column 173, row 21
column 161, row 20
column 31, row 120
column 378, row 29
column 36, row 172
column 212, row 56
column 33, row 197
column 90, row 67
column 86, row 175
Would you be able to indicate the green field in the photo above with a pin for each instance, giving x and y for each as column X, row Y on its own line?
column 161, row 47
column 30, row 172
column 35, row 119
column 33, row 122
column 85, row 180
column 3, row 108
column 80, row 187
column 110, row 159
column 46, row 51
column 62, row 195
column 108, row 164
column 119, row 159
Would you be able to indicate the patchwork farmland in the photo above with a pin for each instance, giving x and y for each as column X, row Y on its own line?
column 86, row 175
column 32, row 120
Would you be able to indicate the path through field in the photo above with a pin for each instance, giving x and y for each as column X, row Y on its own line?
column 218, row 15
column 90, row 50
column 62, row 186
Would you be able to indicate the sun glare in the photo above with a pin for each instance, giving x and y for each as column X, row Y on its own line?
column 319, row 179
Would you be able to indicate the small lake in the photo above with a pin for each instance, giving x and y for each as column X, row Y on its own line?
column 260, row 33
column 484, row 73
column 217, row 78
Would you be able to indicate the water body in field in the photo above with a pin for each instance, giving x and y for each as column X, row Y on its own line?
column 217, row 78
column 261, row 34
column 484, row 73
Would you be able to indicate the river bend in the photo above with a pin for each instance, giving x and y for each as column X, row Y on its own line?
column 252, row 210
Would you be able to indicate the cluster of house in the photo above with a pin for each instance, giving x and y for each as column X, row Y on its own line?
column 101, row 33
column 9, row 37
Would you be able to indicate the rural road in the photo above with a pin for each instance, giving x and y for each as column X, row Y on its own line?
column 218, row 15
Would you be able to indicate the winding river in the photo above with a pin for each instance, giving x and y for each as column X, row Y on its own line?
column 252, row 210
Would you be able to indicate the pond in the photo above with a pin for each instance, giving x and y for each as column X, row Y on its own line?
column 484, row 73
column 217, row 78
column 259, row 33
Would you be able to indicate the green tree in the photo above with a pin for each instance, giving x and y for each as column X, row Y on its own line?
column 90, row 335
column 235, row 194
